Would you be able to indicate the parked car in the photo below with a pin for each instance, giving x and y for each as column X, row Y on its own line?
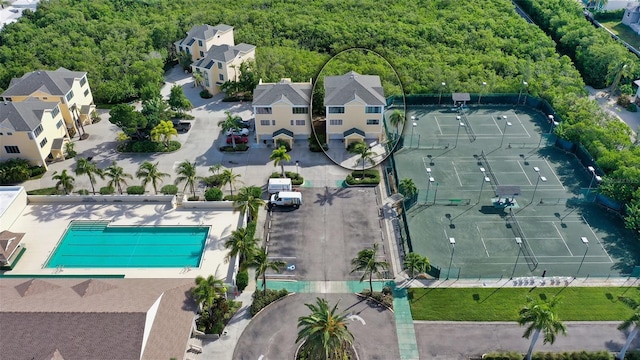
column 245, row 124
column 240, row 139
column 182, row 126
column 238, row 132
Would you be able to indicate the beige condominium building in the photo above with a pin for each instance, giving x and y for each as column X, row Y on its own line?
column 282, row 111
column 354, row 107
column 215, row 54
column 69, row 89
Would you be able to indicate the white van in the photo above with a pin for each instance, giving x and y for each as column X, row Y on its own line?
column 286, row 198
column 277, row 185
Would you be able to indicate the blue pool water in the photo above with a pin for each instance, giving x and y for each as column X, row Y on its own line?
column 96, row 245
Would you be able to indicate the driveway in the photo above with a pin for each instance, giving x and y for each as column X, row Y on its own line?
column 272, row 333
column 326, row 232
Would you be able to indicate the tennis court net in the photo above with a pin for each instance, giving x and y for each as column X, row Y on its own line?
column 488, row 171
column 467, row 126
column 526, row 249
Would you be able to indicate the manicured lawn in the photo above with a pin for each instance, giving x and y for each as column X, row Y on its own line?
column 624, row 32
column 45, row 191
column 503, row 304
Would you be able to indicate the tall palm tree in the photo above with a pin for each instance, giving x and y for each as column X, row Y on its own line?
column 261, row 262
column 367, row 262
column 279, row 156
column 241, row 243
column 231, row 178
column 65, row 181
column 117, row 175
column 198, row 79
column 215, row 168
column 633, row 320
column 366, row 154
column 231, row 122
column 187, row 174
column 416, row 264
column 149, row 173
column 541, row 316
column 207, row 290
column 324, row 332
column 86, row 167
column 396, row 119
column 247, row 201
column 407, row 187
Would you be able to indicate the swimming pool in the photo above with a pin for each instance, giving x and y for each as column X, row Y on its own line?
column 98, row 245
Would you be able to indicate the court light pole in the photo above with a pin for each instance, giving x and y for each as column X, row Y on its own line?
column 540, row 178
column 485, row 179
column 441, row 89
column 524, row 85
column 414, row 124
column 552, row 123
column 431, row 179
column 519, row 242
column 585, row 241
column 297, row 167
column 504, row 130
column 484, row 85
column 460, row 124
column 592, row 170
column 452, row 242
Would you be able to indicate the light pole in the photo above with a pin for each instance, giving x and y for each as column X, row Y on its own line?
column 297, row 165
column 524, row 85
column 519, row 242
column 452, row 242
column 431, row 179
column 593, row 177
column 485, row 179
column 484, row 84
column 552, row 123
column 460, row 124
column 504, row 130
column 585, row 241
column 414, row 124
column 441, row 89
column 540, row 178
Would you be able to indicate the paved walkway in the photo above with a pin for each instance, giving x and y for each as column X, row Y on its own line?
column 405, row 329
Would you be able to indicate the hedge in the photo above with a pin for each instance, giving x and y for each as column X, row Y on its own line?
column 213, row 194
column 371, row 177
column 146, row 146
column 239, row 147
column 296, row 179
column 169, row 189
column 107, row 190
column 135, row 190
column 260, row 301
column 576, row 355
column 242, row 280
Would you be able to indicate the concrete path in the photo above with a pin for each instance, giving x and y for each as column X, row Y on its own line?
column 609, row 105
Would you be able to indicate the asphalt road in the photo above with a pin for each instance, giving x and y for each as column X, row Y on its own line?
column 272, row 333
column 326, row 232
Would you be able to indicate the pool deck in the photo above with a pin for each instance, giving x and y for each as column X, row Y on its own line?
column 45, row 224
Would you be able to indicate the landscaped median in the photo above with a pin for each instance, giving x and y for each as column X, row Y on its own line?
column 503, row 304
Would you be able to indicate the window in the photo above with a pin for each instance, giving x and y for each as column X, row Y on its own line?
column 206, row 78
column 12, row 149
column 273, row 122
column 59, row 124
column 221, row 77
column 373, row 122
column 38, row 130
column 336, row 110
column 7, row 99
column 30, row 135
column 265, row 122
column 199, row 42
column 181, row 49
column 337, row 122
column 300, row 110
column 69, row 95
column 292, row 122
column 43, row 142
column 9, row 133
column 83, row 81
column 300, row 122
column 373, row 110
column 86, row 93
column 55, row 112
column 201, row 53
column 263, row 110
column 219, row 65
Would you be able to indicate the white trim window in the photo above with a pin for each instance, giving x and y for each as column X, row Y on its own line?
column 265, row 122
column 373, row 110
column 336, row 109
column 335, row 122
column 373, row 122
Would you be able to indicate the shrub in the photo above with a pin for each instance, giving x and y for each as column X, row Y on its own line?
column 251, row 228
column 107, row 190
column 230, row 197
column 37, row 171
column 205, row 94
column 627, row 89
column 239, row 147
column 213, row 194
column 14, row 171
column 296, row 179
column 380, row 297
column 371, row 177
column 83, row 192
column 213, row 180
column 242, row 280
column 135, row 190
column 632, row 107
column 260, row 301
column 282, row 143
column 147, row 146
column 503, row 356
column 623, row 100
column 169, row 189
column 318, row 144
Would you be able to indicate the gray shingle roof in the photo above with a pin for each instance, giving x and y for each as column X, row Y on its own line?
column 24, row 115
column 283, row 131
column 342, row 89
column 298, row 94
column 353, row 131
column 56, row 83
column 203, row 32
column 223, row 53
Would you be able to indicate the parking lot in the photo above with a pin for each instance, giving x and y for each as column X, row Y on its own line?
column 321, row 237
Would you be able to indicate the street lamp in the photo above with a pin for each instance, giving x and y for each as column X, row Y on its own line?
column 593, row 177
column 519, row 242
column 485, row 179
column 504, row 130
column 552, row 123
column 431, row 179
column 460, row 124
column 540, row 178
column 585, row 241
column 441, row 89
column 413, row 127
column 297, row 165
column 452, row 242
column 524, row 85
column 484, row 84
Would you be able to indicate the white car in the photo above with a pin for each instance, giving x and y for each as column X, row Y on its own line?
column 239, row 132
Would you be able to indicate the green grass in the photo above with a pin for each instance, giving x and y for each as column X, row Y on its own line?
column 503, row 304
column 45, row 191
column 623, row 31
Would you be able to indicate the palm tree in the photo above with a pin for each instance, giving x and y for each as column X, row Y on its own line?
column 407, row 188
column 197, row 78
column 149, row 173
column 229, row 177
column 542, row 317
column 279, row 156
column 367, row 262
column 261, row 262
column 187, row 174
column 89, row 168
column 366, row 155
column 396, row 119
column 246, row 201
column 117, row 175
column 163, row 132
column 230, row 123
column 207, row 290
column 65, row 181
column 241, row 243
column 324, row 333
column 416, row 264
column 215, row 168
column 634, row 320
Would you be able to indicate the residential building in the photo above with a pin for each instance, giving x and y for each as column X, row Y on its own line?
column 282, row 111
column 33, row 130
column 202, row 37
column 222, row 63
column 354, row 107
column 631, row 17
column 69, row 89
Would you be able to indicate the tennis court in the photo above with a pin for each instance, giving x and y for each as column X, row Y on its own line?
column 497, row 199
